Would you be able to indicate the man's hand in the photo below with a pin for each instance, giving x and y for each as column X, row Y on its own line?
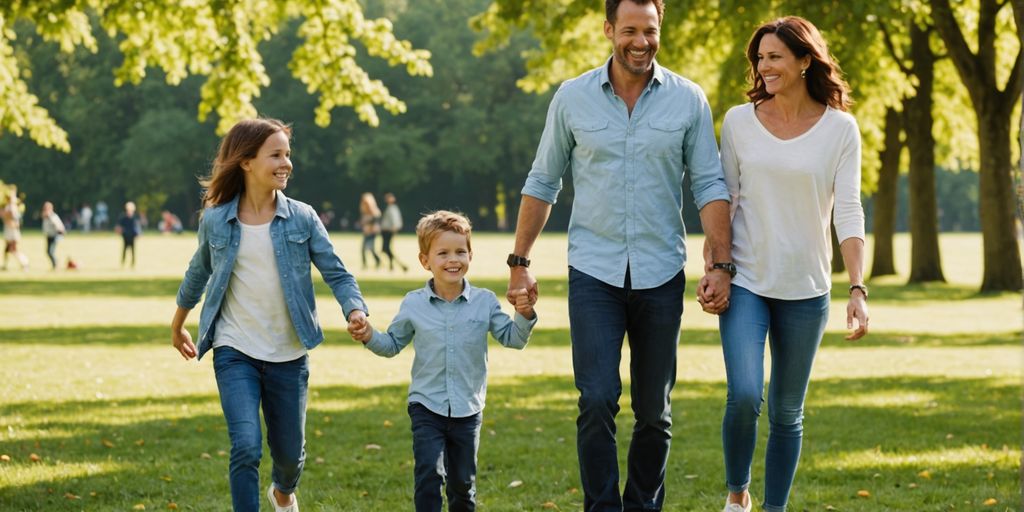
column 521, row 280
column 359, row 327
column 713, row 291
column 523, row 304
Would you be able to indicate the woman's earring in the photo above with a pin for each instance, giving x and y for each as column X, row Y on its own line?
column 803, row 73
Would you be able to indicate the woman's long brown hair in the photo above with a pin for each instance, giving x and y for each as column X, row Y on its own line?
column 824, row 79
column 243, row 142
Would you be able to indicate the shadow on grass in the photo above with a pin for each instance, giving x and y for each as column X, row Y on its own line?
column 157, row 335
column 359, row 448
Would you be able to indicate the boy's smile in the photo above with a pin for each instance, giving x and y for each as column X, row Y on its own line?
column 448, row 259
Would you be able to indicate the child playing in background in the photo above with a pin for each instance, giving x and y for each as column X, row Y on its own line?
column 53, row 228
column 448, row 321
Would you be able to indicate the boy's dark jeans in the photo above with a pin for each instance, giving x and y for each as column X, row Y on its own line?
column 445, row 450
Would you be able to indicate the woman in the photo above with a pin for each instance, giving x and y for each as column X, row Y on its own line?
column 369, row 220
column 789, row 156
column 259, row 316
column 390, row 225
column 11, row 215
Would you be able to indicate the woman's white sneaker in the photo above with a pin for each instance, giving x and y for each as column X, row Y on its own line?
column 291, row 507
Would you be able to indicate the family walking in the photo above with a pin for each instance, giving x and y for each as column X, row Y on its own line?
column 627, row 131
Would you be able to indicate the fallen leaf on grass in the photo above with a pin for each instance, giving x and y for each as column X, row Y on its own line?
column 221, row 453
column 550, row 505
column 829, row 507
column 690, row 477
column 205, row 455
column 166, row 478
column 140, row 442
column 34, row 458
column 925, row 474
column 371, row 446
column 69, row 496
column 172, row 506
column 863, row 493
column 364, row 494
column 912, row 485
column 388, row 424
column 5, row 458
column 319, row 460
column 515, row 483
column 139, row 506
column 108, row 443
column 989, row 502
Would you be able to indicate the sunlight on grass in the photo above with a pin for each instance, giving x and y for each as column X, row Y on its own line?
column 879, row 399
column 28, row 473
column 932, row 461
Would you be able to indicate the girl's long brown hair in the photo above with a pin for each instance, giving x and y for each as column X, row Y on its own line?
column 824, row 79
column 243, row 142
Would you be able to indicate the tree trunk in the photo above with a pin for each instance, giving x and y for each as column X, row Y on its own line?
column 925, row 261
column 885, row 198
column 1002, row 255
column 838, row 263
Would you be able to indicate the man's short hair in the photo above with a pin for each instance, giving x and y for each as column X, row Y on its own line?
column 435, row 223
column 611, row 8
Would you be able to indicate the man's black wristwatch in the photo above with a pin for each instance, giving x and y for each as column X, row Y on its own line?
column 729, row 267
column 514, row 260
column 862, row 288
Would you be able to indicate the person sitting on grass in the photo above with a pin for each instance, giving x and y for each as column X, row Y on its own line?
column 448, row 321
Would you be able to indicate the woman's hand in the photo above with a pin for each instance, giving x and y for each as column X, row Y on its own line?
column 359, row 327
column 857, row 309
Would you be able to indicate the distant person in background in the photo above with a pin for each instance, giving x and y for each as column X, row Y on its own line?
column 390, row 225
column 101, row 218
column 170, row 223
column 53, row 228
column 130, row 228
column 85, row 217
column 326, row 214
column 369, row 222
column 11, row 215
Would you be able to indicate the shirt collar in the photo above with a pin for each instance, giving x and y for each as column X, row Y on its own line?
column 467, row 291
column 281, row 210
column 606, row 78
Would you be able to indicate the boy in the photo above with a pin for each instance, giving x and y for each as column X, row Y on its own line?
column 448, row 320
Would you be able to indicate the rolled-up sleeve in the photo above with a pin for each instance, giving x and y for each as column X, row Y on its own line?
column 700, row 155
column 553, row 154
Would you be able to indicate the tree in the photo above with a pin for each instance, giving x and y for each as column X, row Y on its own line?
column 214, row 38
column 993, row 105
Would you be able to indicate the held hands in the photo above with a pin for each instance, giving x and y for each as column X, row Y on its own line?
column 524, row 306
column 359, row 327
column 857, row 309
column 520, row 279
column 182, row 342
column 713, row 291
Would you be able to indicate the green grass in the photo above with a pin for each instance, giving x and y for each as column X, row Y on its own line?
column 923, row 419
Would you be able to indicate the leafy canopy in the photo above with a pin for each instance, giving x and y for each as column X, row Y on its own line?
column 215, row 38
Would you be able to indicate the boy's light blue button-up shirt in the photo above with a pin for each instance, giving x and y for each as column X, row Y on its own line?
column 627, row 173
column 449, row 371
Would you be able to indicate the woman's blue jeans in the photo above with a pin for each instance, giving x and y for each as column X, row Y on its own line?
column 600, row 315
column 794, row 329
column 244, row 383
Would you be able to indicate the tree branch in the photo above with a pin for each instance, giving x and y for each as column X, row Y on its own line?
column 965, row 61
column 891, row 47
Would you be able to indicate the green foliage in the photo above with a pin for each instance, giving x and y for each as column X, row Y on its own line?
column 218, row 39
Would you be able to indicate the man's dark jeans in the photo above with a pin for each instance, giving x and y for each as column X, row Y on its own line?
column 444, row 449
column 600, row 315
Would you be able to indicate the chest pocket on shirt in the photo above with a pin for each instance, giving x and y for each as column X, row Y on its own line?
column 589, row 137
column 298, row 249
column 471, row 331
column 218, row 248
column 665, row 138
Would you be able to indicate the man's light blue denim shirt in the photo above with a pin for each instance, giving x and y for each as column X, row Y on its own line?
column 298, row 238
column 627, row 173
column 449, row 371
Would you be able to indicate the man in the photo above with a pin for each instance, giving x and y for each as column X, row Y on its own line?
column 627, row 130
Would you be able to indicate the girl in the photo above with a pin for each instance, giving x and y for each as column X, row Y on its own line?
column 259, row 316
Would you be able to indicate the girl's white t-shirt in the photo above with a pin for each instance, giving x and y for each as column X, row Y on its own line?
column 783, row 192
column 254, row 317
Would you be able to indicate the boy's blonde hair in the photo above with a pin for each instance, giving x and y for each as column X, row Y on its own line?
column 435, row 223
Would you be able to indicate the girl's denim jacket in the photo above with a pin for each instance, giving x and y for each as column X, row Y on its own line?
column 298, row 238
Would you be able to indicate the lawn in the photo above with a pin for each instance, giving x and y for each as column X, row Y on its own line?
column 98, row 413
